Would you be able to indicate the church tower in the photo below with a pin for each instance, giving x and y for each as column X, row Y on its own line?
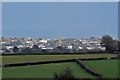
column 60, row 41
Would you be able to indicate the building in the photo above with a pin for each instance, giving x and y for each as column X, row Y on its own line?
column 60, row 41
column 69, row 47
column 43, row 41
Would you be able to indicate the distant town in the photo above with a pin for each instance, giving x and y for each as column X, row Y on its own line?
column 32, row 45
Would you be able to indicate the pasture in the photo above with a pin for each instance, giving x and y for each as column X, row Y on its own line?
column 109, row 68
column 44, row 71
column 11, row 59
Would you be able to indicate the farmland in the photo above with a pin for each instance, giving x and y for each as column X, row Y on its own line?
column 44, row 71
column 10, row 59
column 109, row 68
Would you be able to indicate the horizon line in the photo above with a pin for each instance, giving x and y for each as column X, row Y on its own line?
column 58, row 37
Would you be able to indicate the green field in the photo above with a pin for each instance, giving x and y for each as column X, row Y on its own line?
column 109, row 68
column 36, row 58
column 44, row 71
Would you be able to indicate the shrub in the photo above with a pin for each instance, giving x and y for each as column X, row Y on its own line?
column 65, row 75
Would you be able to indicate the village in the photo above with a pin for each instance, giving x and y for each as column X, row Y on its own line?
column 50, row 45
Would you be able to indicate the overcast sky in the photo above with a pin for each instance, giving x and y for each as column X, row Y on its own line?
column 60, row 19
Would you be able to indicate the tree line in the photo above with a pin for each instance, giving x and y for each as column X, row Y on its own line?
column 110, row 44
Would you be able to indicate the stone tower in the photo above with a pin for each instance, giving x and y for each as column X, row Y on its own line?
column 60, row 41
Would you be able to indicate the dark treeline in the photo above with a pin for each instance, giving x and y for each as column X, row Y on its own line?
column 40, row 53
column 110, row 44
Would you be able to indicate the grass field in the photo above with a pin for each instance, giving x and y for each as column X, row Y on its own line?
column 36, row 58
column 109, row 68
column 44, row 71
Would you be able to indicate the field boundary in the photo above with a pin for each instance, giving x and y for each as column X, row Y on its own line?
column 78, row 61
column 59, row 53
column 57, row 61
column 88, row 70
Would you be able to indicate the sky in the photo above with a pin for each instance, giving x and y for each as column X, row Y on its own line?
column 51, row 20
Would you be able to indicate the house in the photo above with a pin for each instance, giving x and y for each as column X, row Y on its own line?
column 69, row 47
column 43, row 41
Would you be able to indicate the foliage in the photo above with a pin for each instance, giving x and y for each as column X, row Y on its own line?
column 35, row 47
column 109, row 43
column 15, row 49
column 66, row 75
column 118, row 45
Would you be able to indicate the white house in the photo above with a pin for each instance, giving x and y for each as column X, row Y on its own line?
column 8, row 47
column 80, row 47
column 69, row 47
column 43, row 41
column 90, row 48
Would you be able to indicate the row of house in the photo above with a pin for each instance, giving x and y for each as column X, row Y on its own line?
column 89, row 44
